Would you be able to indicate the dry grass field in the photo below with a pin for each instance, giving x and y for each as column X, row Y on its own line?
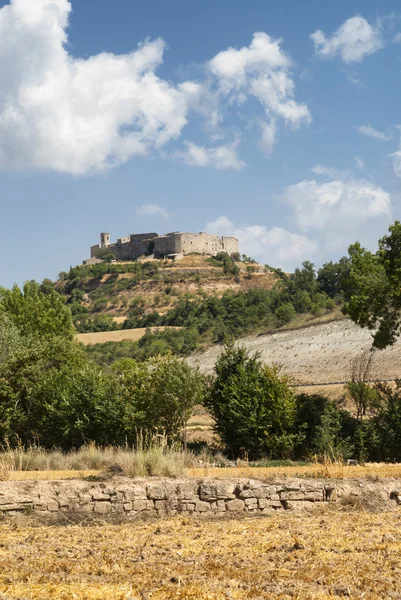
column 121, row 335
column 282, row 557
column 316, row 470
column 372, row 471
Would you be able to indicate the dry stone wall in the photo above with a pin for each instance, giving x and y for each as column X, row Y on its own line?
column 153, row 497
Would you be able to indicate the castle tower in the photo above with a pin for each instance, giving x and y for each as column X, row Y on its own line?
column 104, row 240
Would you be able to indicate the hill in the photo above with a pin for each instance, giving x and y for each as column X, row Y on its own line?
column 103, row 296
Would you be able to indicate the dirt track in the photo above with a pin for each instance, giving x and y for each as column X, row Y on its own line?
column 316, row 354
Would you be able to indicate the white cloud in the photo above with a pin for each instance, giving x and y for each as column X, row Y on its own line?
column 397, row 38
column 277, row 246
column 338, row 211
column 152, row 210
column 268, row 137
column 353, row 40
column 396, row 160
column 261, row 70
column 220, row 157
column 373, row 133
column 330, row 171
column 359, row 163
column 78, row 116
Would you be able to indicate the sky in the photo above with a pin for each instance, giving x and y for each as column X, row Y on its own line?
column 275, row 121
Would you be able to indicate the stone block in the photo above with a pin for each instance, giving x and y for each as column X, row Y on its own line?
column 100, row 496
column 102, row 507
column 140, row 504
column 261, row 492
column 128, row 506
column 160, row 505
column 235, row 505
column 156, row 491
column 14, row 507
column 217, row 491
column 251, row 502
column 187, row 490
column 263, row 503
column 202, row 506
column 52, row 506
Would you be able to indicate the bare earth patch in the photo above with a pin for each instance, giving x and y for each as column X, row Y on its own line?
column 281, row 557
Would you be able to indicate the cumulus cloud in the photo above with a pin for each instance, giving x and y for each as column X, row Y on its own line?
column 220, row 157
column 338, row 211
column 373, row 133
column 79, row 115
column 277, row 246
column 152, row 210
column 353, row 40
column 260, row 70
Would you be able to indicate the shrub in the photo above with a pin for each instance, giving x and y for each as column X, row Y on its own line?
column 253, row 406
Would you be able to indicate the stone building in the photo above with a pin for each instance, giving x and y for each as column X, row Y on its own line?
column 175, row 243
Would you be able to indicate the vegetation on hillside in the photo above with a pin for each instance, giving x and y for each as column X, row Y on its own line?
column 54, row 393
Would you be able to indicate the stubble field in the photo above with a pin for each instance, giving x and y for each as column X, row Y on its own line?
column 328, row 554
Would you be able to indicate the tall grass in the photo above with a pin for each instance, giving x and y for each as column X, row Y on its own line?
column 152, row 456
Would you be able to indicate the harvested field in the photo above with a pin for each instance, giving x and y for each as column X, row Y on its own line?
column 315, row 470
column 131, row 335
column 283, row 556
column 315, row 355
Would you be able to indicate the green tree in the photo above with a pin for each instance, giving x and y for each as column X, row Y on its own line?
column 332, row 277
column 285, row 313
column 253, row 406
column 34, row 312
column 50, row 394
column 10, row 338
column 158, row 394
column 373, row 297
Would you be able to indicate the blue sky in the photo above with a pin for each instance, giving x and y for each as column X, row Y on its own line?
column 277, row 122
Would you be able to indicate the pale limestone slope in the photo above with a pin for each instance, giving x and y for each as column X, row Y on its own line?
column 315, row 354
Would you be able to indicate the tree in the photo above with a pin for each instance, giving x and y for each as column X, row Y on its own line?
column 332, row 277
column 158, row 394
column 373, row 297
column 50, row 394
column 285, row 313
column 365, row 397
column 34, row 312
column 253, row 406
column 10, row 339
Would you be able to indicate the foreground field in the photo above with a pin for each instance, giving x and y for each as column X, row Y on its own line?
column 286, row 556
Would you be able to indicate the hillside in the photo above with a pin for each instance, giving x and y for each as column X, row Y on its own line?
column 316, row 354
column 102, row 296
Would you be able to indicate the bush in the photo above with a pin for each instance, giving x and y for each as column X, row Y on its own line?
column 254, row 408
